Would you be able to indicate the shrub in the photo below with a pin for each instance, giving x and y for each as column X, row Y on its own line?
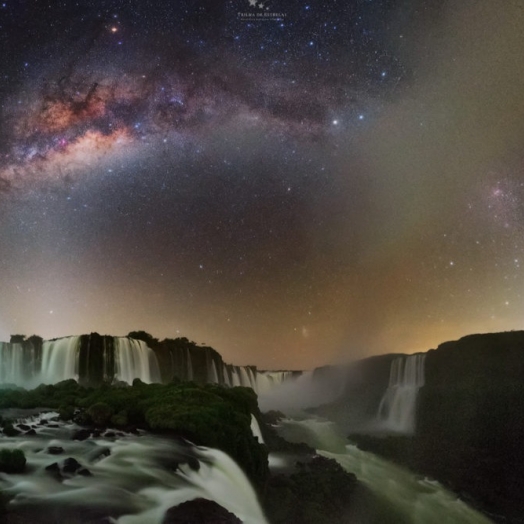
column 66, row 412
column 100, row 413
column 12, row 461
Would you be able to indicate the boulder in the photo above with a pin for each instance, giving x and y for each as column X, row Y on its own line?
column 199, row 511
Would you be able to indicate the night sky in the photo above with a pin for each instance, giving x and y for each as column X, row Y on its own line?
column 292, row 183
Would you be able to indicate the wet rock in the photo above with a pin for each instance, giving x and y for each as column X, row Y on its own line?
column 199, row 511
column 53, row 426
column 55, row 450
column 193, row 463
column 81, row 434
column 23, row 427
column 30, row 433
column 84, row 472
column 71, row 465
column 10, row 431
column 110, row 434
column 53, row 468
column 54, row 471
column 43, row 422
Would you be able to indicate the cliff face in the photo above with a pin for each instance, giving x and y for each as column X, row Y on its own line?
column 469, row 422
column 184, row 360
column 470, row 418
column 96, row 359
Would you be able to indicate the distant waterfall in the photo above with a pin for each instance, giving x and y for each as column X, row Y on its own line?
column 255, row 429
column 11, row 363
column 397, row 409
column 97, row 359
column 213, row 373
column 134, row 359
column 267, row 380
column 59, row 360
column 260, row 381
column 90, row 359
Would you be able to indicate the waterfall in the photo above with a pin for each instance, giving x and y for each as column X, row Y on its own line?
column 397, row 409
column 59, row 360
column 135, row 481
column 212, row 373
column 134, row 359
column 11, row 363
column 235, row 379
column 265, row 381
column 19, row 363
column 189, row 366
column 255, row 429
column 245, row 379
column 225, row 372
column 64, row 359
column 95, row 359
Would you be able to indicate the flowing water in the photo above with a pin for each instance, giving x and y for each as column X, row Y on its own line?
column 397, row 409
column 405, row 498
column 134, row 479
column 120, row 359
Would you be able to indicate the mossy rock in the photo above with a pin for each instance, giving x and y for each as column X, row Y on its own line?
column 66, row 412
column 100, row 413
column 12, row 461
column 120, row 420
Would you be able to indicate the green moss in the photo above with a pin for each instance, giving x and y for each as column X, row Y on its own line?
column 208, row 415
column 12, row 461
column 100, row 413
column 120, row 420
column 66, row 412
column 9, row 430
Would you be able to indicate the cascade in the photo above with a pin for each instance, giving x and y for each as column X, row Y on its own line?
column 213, row 373
column 189, row 366
column 287, row 391
column 255, row 429
column 134, row 359
column 225, row 372
column 397, row 409
column 59, row 360
column 123, row 494
column 245, row 379
column 398, row 494
column 95, row 359
column 120, row 357
column 265, row 381
column 22, row 364
column 11, row 363
column 235, row 378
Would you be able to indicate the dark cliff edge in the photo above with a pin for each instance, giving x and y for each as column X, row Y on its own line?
column 469, row 422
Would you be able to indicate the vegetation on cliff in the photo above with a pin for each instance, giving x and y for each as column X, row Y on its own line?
column 12, row 461
column 208, row 415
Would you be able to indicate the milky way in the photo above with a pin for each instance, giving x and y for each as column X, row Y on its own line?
column 292, row 183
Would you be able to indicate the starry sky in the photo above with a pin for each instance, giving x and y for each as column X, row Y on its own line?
column 291, row 182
